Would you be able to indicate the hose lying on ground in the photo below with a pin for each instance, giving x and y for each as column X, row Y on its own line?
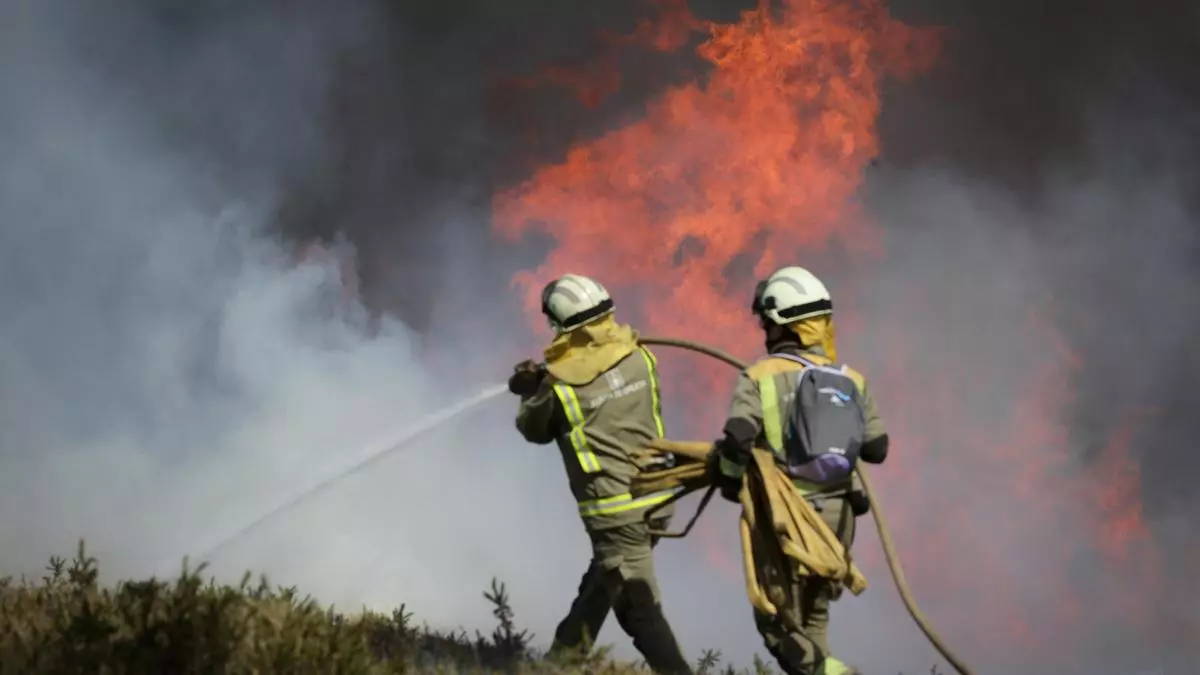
column 691, row 477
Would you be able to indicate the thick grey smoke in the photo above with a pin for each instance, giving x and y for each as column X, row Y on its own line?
column 968, row 267
column 171, row 371
column 1064, row 181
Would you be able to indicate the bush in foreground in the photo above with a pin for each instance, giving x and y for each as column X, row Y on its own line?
column 68, row 623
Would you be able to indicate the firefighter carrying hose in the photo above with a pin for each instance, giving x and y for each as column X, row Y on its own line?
column 795, row 312
column 597, row 395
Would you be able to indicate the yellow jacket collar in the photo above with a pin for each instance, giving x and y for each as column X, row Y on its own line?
column 818, row 335
column 581, row 355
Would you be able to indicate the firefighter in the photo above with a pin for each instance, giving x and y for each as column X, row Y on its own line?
column 795, row 312
column 597, row 396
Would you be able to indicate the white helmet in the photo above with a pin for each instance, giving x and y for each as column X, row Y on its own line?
column 791, row 294
column 573, row 300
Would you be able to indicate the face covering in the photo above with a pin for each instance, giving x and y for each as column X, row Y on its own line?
column 817, row 331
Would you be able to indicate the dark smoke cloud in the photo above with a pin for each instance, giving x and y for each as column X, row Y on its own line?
column 168, row 372
column 1053, row 156
column 1087, row 115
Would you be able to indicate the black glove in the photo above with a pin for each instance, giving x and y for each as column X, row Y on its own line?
column 860, row 505
column 526, row 378
column 729, row 486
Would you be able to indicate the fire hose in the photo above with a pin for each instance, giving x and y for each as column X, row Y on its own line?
column 885, row 538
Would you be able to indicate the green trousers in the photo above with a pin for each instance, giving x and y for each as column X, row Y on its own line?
column 620, row 578
column 798, row 637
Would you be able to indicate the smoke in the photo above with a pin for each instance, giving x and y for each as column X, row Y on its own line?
column 1049, row 173
column 1026, row 452
column 171, row 367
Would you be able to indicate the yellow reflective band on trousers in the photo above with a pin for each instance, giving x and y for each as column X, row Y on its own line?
column 579, row 441
column 621, row 503
column 652, row 368
column 773, row 431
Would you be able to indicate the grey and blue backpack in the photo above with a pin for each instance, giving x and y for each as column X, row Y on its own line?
column 824, row 424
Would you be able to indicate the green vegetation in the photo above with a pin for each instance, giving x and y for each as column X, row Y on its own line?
column 67, row 623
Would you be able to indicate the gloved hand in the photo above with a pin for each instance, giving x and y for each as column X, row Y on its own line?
column 860, row 504
column 526, row 378
column 729, row 486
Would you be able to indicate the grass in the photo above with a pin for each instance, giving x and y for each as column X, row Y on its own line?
column 66, row 622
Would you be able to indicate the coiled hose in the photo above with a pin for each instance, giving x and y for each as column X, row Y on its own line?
column 889, row 548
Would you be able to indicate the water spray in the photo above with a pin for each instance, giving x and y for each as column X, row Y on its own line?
column 373, row 455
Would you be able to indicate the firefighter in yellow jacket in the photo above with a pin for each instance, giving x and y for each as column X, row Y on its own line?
column 597, row 397
column 795, row 312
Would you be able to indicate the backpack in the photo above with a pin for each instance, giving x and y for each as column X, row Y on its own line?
column 824, row 424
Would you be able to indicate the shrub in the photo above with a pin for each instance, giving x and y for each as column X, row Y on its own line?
column 68, row 623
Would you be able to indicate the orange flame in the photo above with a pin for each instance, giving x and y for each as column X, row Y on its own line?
column 779, row 135
column 761, row 161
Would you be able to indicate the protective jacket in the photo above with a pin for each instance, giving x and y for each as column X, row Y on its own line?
column 599, row 402
column 758, row 410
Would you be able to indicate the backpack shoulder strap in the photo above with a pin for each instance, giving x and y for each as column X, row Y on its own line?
column 808, row 363
column 771, row 364
column 843, row 369
column 859, row 380
column 794, row 358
